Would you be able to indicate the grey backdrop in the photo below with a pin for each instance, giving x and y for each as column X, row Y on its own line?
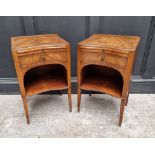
column 75, row 29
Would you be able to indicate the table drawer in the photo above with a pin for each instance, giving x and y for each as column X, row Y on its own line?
column 29, row 59
column 44, row 56
column 105, row 57
column 54, row 55
column 91, row 56
column 116, row 60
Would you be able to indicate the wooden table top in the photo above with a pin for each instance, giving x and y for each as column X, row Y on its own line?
column 115, row 42
column 26, row 43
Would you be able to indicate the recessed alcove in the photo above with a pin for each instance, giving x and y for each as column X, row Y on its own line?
column 103, row 79
column 45, row 78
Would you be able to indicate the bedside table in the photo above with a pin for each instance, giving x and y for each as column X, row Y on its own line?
column 42, row 63
column 105, row 65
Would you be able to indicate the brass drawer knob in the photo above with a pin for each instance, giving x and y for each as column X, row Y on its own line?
column 43, row 58
column 102, row 59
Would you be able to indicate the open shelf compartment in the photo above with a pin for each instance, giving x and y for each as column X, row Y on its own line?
column 45, row 78
column 103, row 79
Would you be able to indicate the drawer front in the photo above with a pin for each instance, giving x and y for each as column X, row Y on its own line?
column 95, row 56
column 116, row 60
column 54, row 55
column 44, row 56
column 112, row 58
column 28, row 60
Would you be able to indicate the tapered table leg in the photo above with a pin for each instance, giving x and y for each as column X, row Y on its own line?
column 126, row 103
column 89, row 93
column 128, row 94
column 79, row 99
column 26, row 109
column 122, row 106
column 70, row 99
column 60, row 92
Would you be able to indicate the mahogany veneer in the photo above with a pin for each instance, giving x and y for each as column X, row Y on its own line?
column 42, row 63
column 105, row 65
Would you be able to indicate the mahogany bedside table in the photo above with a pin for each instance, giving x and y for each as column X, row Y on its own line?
column 42, row 63
column 105, row 65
